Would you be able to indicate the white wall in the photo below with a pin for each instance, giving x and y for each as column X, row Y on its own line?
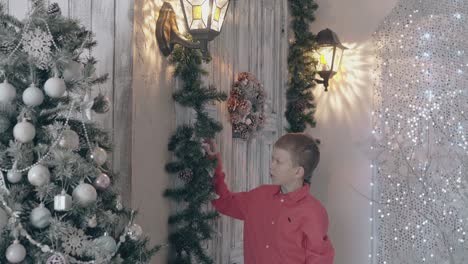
column 344, row 126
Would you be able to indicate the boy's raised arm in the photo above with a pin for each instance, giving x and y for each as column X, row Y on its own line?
column 228, row 203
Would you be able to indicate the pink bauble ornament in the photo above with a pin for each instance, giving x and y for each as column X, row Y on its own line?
column 102, row 182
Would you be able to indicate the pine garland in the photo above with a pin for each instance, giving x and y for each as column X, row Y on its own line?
column 192, row 226
column 300, row 108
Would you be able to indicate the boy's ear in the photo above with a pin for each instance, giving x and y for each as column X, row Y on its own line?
column 300, row 172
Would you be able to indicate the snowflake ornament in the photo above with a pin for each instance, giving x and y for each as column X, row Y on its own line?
column 38, row 44
column 74, row 241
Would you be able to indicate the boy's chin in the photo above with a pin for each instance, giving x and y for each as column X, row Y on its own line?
column 275, row 181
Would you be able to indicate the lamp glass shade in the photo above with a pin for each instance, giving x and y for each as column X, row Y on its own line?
column 329, row 58
column 197, row 13
column 219, row 10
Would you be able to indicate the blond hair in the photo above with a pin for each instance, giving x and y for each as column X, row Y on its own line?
column 303, row 149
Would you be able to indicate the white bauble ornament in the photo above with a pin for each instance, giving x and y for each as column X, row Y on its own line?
column 14, row 176
column 33, row 96
column 69, row 140
column 99, row 155
column 72, row 71
column 38, row 175
column 106, row 243
column 7, row 92
column 84, row 194
column 55, row 87
column 3, row 219
column 15, row 253
column 24, row 131
column 4, row 123
column 40, row 217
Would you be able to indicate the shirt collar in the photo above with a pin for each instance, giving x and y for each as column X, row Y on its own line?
column 295, row 196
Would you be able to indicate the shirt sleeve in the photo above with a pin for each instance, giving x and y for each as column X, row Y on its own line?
column 228, row 203
column 318, row 247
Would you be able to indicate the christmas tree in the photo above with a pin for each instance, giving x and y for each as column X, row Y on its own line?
column 58, row 203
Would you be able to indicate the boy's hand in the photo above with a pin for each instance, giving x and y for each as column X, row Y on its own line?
column 210, row 147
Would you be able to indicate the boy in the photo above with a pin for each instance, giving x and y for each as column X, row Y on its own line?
column 283, row 223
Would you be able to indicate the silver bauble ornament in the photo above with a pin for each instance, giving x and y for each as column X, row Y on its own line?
column 55, row 87
column 3, row 219
column 15, row 253
column 101, row 104
column 38, row 175
column 99, row 155
column 7, row 92
column 135, row 232
column 70, row 140
column 57, row 258
column 62, row 202
column 4, row 123
column 102, row 181
column 24, row 131
column 40, row 217
column 106, row 243
column 33, row 96
column 84, row 194
column 14, row 176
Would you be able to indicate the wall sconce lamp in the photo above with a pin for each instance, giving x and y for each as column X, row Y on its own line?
column 203, row 18
column 328, row 55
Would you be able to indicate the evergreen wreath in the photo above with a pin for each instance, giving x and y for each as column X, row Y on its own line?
column 246, row 106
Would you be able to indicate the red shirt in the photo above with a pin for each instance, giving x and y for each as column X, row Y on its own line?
column 278, row 228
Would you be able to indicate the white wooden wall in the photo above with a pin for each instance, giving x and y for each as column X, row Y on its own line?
column 112, row 23
column 254, row 39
